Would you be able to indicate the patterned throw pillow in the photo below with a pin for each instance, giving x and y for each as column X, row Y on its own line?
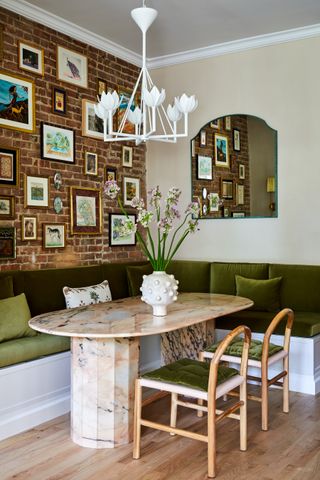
column 78, row 297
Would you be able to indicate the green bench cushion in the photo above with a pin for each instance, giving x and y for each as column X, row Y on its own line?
column 135, row 277
column 189, row 373
column 14, row 318
column 255, row 350
column 31, row 348
column 193, row 276
column 6, row 287
column 222, row 279
column 264, row 293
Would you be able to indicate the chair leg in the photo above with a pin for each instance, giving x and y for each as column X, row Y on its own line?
column 211, row 440
column 264, row 399
column 243, row 417
column 286, row 386
column 173, row 414
column 200, row 402
column 137, row 420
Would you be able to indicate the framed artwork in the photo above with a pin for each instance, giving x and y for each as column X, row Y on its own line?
column 57, row 180
column 227, row 122
column 1, row 42
column 28, row 227
column 86, row 213
column 110, row 174
column 204, row 168
column 203, row 138
column 72, row 67
column 9, row 167
column 215, row 123
column 36, row 192
column 213, row 202
column 236, row 140
column 238, row 214
column 242, row 171
column 59, row 101
column 57, row 143
column 31, row 58
column 239, row 194
column 131, row 189
column 7, row 243
column 90, row 163
column 101, row 87
column 7, row 207
column 127, row 156
column 226, row 213
column 193, row 148
column 17, row 104
column 124, row 95
column 227, row 189
column 54, row 235
column 221, row 151
column 92, row 126
column 116, row 221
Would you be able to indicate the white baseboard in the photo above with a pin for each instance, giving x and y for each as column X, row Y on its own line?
column 304, row 361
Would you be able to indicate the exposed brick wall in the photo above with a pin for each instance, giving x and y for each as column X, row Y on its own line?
column 80, row 249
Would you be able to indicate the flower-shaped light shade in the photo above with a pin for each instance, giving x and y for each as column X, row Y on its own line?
column 154, row 98
column 100, row 111
column 135, row 116
column 110, row 101
column 186, row 104
column 173, row 113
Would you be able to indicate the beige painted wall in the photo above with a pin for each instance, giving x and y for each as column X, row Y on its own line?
column 281, row 85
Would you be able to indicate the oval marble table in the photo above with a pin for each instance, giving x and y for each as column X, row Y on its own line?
column 105, row 356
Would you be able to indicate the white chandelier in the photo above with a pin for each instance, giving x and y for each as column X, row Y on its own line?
column 151, row 120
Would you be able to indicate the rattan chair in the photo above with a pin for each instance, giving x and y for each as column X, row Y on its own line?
column 262, row 355
column 198, row 380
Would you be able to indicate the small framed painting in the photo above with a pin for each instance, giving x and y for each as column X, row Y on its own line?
column 213, row 202
column 59, row 101
column 227, row 122
column 57, row 143
column 72, row 67
column 54, row 235
column 226, row 212
column 9, row 167
column 238, row 214
column 7, row 243
column 31, row 58
column 203, row 138
column 215, row 123
column 227, row 189
column 7, row 207
column 242, row 171
column 86, row 212
column 17, row 107
column 92, row 126
column 240, row 194
column 116, row 224
column 204, row 168
column 127, row 156
column 110, row 174
column 131, row 189
column 36, row 192
column 28, row 228
column 125, row 95
column 221, row 151
column 90, row 163
column 101, row 87
column 236, row 140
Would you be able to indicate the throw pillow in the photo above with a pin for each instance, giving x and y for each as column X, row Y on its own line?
column 134, row 275
column 6, row 287
column 79, row 297
column 14, row 317
column 264, row 293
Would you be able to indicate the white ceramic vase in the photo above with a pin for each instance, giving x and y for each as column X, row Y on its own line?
column 159, row 290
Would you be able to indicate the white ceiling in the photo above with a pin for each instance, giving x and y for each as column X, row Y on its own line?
column 184, row 25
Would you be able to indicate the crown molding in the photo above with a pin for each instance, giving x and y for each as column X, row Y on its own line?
column 68, row 28
column 235, row 46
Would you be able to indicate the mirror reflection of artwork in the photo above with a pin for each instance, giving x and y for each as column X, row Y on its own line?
column 243, row 153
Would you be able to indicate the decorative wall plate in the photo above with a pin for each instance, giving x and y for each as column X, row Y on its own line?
column 57, row 204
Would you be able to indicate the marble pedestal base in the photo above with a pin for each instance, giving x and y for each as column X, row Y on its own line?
column 102, row 390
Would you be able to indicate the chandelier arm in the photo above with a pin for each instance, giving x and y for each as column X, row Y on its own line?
column 124, row 118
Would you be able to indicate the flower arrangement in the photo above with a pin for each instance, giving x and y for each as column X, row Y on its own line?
column 162, row 249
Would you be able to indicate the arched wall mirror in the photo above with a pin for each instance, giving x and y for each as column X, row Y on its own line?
column 234, row 168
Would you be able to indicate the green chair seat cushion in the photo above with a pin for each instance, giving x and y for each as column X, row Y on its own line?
column 255, row 350
column 135, row 277
column 264, row 293
column 6, row 287
column 189, row 373
column 14, row 317
column 31, row 348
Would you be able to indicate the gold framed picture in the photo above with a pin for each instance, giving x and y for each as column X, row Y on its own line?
column 90, row 163
column 36, row 192
column 86, row 211
column 7, row 204
column 221, row 150
column 31, row 58
column 54, row 235
column 9, row 167
column 92, row 126
column 59, row 101
column 29, row 228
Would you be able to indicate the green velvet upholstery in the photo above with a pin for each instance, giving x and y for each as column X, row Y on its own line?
column 116, row 274
column 189, row 373
column 255, row 350
column 193, row 276
column 264, row 293
column 14, row 317
column 6, row 287
column 223, row 275
column 30, row 348
column 135, row 277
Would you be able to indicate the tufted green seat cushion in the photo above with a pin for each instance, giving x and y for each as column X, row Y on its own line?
column 264, row 293
column 255, row 350
column 6, row 287
column 189, row 373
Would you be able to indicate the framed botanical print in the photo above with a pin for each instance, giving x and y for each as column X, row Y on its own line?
column 90, row 163
column 36, row 192
column 116, row 224
column 214, row 202
column 59, row 101
column 54, row 235
column 72, row 67
column 57, row 143
column 239, row 194
column 28, row 227
column 31, row 58
column 110, row 174
column 7, row 207
column 221, row 150
column 92, row 126
column 7, row 243
column 86, row 212
column 204, row 168
column 236, row 140
column 9, row 167
column 131, row 189
column 227, row 189
column 227, row 122
column 127, row 156
column 17, row 107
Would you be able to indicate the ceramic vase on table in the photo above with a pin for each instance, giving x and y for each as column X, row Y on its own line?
column 159, row 290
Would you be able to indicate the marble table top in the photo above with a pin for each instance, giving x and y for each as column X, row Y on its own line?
column 130, row 317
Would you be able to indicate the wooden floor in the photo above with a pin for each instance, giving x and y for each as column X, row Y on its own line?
column 289, row 450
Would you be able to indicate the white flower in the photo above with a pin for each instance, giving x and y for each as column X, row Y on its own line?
column 145, row 217
column 110, row 101
column 154, row 98
column 137, row 203
column 192, row 224
column 174, row 113
column 194, row 209
column 135, row 116
column 111, row 189
column 186, row 104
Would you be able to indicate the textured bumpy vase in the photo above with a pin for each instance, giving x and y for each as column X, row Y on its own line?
column 159, row 290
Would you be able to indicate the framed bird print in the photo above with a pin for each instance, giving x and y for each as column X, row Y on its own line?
column 72, row 67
